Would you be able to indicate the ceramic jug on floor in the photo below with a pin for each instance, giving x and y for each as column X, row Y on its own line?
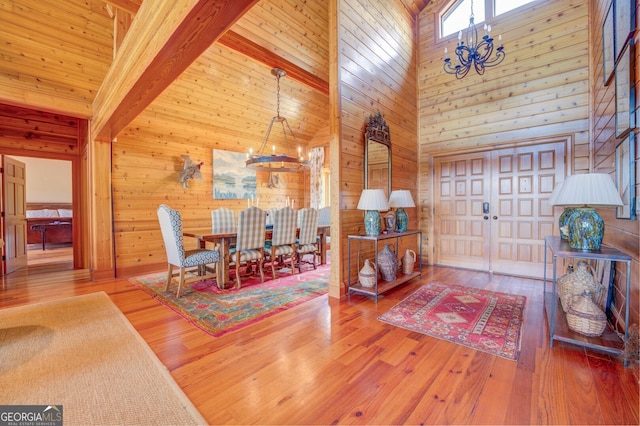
column 408, row 260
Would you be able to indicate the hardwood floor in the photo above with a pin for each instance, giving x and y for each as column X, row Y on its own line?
column 331, row 362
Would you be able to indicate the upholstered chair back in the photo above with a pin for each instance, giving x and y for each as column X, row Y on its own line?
column 308, row 226
column 251, row 228
column 223, row 221
column 171, row 228
column 284, row 226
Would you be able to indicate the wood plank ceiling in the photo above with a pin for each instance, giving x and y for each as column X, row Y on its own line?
column 55, row 56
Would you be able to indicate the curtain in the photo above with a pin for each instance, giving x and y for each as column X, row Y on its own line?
column 317, row 190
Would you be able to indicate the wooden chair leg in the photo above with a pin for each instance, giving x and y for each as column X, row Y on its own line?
column 261, row 269
column 181, row 282
column 169, row 275
column 273, row 266
column 237, row 270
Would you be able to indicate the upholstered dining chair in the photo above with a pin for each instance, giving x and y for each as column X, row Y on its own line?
column 252, row 224
column 283, row 239
column 171, row 228
column 223, row 221
column 324, row 219
column 307, row 242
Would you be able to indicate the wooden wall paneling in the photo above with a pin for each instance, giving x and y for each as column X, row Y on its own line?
column 376, row 44
column 540, row 91
column 518, row 87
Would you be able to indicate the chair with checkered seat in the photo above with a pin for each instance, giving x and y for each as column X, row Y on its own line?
column 171, row 229
column 307, row 243
column 283, row 239
column 249, row 247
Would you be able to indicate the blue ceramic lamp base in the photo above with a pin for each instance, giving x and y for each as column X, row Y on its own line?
column 586, row 229
column 372, row 223
column 402, row 220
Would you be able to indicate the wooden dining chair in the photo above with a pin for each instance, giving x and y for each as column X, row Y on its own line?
column 283, row 240
column 171, row 228
column 307, row 242
column 250, row 241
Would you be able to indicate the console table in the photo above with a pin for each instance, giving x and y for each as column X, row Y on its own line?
column 381, row 286
column 559, row 330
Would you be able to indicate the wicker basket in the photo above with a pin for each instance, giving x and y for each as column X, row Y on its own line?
column 576, row 283
column 585, row 317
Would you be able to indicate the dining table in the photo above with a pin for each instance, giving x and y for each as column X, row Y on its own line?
column 225, row 240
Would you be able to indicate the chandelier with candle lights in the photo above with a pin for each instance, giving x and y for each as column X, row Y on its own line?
column 267, row 161
column 477, row 53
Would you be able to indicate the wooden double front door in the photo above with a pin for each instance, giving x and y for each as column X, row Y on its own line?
column 491, row 211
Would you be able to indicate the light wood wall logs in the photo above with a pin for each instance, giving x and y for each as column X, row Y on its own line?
column 540, row 91
column 376, row 44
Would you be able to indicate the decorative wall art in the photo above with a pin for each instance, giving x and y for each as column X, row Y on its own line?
column 231, row 179
column 624, row 24
column 625, row 177
column 608, row 46
column 624, row 118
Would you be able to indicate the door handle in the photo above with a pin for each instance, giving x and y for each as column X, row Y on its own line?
column 486, row 217
column 495, row 217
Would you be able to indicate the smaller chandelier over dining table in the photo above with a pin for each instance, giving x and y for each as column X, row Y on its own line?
column 473, row 51
column 268, row 160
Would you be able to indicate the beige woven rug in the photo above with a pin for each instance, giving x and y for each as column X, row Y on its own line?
column 82, row 353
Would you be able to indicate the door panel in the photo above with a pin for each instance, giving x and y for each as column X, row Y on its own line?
column 461, row 233
column 525, row 178
column 15, row 220
column 517, row 183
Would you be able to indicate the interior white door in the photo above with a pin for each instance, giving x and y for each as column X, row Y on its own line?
column 491, row 211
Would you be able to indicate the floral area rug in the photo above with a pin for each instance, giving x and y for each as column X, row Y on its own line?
column 480, row 319
column 218, row 311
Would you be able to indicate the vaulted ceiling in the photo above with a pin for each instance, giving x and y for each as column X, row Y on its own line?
column 57, row 55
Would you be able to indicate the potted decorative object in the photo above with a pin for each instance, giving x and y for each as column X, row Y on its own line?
column 367, row 275
column 388, row 263
column 575, row 283
column 408, row 260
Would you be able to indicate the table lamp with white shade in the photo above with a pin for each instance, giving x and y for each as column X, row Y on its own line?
column 400, row 199
column 564, row 216
column 585, row 192
column 373, row 201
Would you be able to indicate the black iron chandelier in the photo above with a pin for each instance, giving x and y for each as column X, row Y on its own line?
column 477, row 53
column 272, row 162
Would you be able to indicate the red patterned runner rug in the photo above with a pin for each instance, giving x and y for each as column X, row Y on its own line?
column 479, row 319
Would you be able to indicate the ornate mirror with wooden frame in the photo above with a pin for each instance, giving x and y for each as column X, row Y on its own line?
column 377, row 154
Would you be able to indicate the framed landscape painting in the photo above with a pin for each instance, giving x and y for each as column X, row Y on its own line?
column 608, row 47
column 231, row 179
column 625, row 177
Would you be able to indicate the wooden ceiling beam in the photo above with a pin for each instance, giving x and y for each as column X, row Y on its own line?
column 163, row 41
column 253, row 50
column 130, row 6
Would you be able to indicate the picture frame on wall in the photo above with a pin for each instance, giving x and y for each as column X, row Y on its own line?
column 624, row 25
column 608, row 45
column 231, row 179
column 625, row 177
column 624, row 93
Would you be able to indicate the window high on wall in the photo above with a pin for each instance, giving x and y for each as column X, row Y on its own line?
column 455, row 16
